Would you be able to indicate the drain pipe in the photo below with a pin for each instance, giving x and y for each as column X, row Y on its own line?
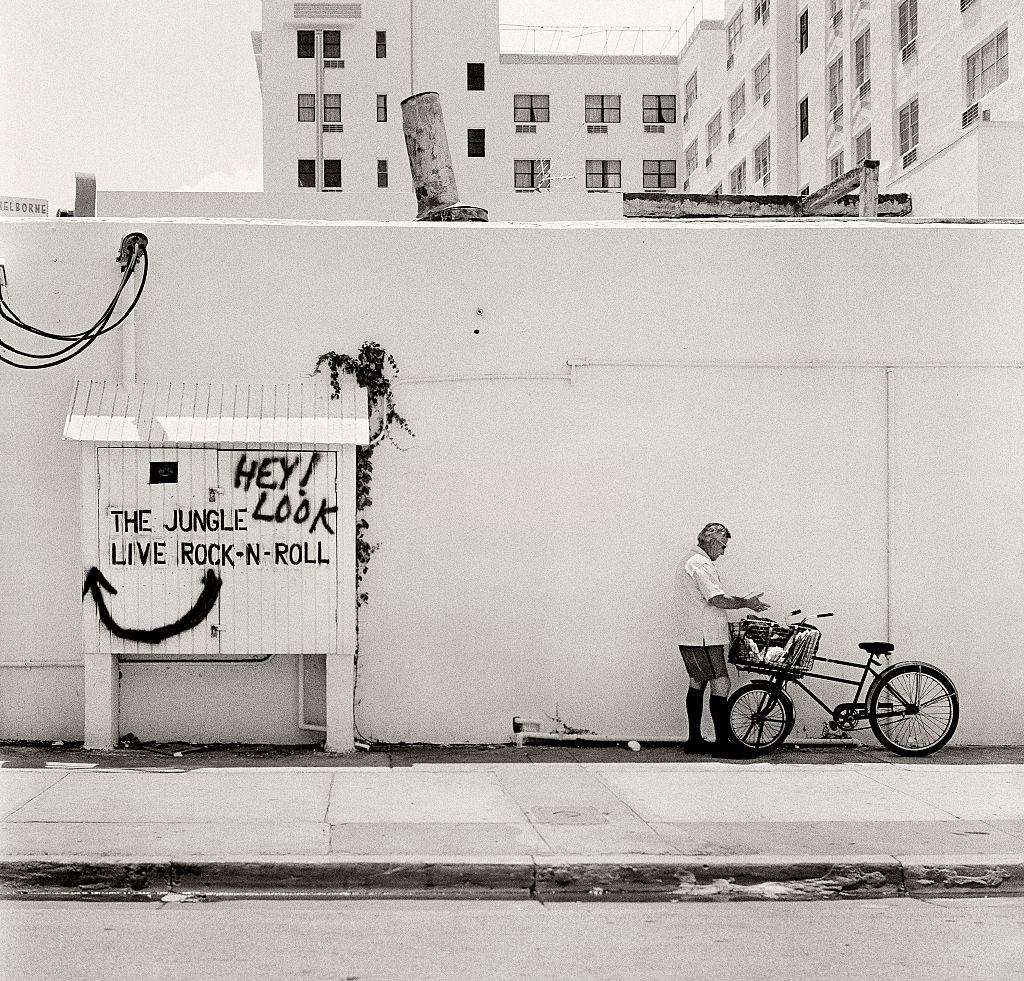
column 430, row 160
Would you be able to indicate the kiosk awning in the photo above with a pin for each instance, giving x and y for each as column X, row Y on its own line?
column 217, row 412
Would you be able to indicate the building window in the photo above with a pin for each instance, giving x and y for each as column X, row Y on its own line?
column 691, row 158
column 661, row 174
column 332, row 44
column 307, row 173
column 332, row 108
column 382, row 169
column 763, row 77
column 761, row 11
column 307, row 44
column 908, row 127
column 475, row 143
column 659, row 108
column 689, row 92
column 715, row 130
column 382, row 108
column 862, row 59
column 307, row 107
column 603, row 108
column 737, row 105
column 804, row 32
column 862, row 147
column 805, row 118
column 835, row 166
column 738, row 179
column 908, row 22
column 531, row 108
column 532, row 175
column 382, row 50
column 805, row 190
column 988, row 67
column 835, row 84
column 763, row 160
column 332, row 173
column 734, row 33
column 604, row 174
column 475, row 76
column 718, row 189
column 835, row 13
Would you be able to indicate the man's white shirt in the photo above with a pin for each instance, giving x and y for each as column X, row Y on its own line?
column 699, row 623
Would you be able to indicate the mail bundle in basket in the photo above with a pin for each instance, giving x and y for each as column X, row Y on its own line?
column 761, row 643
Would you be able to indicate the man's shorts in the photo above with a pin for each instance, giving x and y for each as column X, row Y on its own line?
column 704, row 663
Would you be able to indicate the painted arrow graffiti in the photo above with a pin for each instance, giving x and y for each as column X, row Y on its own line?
column 96, row 582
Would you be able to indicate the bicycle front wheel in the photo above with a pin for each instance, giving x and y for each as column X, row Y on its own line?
column 913, row 708
column 761, row 715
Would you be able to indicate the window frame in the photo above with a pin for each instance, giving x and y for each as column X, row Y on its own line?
column 606, row 173
column 859, row 158
column 913, row 131
column 309, row 107
column 660, row 175
column 762, row 8
column 804, row 117
column 974, row 87
column 532, row 109
column 690, row 93
column 734, row 33
column 382, row 107
column 738, row 106
column 305, row 42
column 907, row 26
column 329, row 112
column 382, row 44
column 310, row 174
column 862, row 58
column 834, row 84
column 334, row 53
column 332, row 165
column 766, row 77
column 836, row 166
column 382, row 174
column 658, row 108
column 691, row 156
column 605, row 109
column 763, row 159
column 738, row 178
column 803, row 31
column 714, row 137
column 476, row 76
column 538, row 172
column 476, row 142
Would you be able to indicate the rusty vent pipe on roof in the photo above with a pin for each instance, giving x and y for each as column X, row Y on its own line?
column 430, row 160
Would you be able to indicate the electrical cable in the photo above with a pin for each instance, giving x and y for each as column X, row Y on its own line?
column 133, row 248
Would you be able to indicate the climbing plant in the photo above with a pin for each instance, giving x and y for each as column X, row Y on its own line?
column 373, row 369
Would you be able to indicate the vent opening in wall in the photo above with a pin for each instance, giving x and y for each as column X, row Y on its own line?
column 597, row 129
column 837, row 114
column 910, row 50
column 767, row 98
column 650, row 128
column 909, row 158
column 707, row 163
column 334, row 63
column 728, row 63
column 865, row 90
column 526, row 128
column 970, row 116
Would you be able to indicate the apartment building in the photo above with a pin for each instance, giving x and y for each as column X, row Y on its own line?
column 777, row 96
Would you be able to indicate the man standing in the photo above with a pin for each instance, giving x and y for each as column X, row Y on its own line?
column 704, row 635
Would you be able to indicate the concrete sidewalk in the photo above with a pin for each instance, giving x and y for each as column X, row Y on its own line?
column 550, row 830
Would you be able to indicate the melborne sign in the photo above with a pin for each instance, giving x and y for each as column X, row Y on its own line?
column 24, row 206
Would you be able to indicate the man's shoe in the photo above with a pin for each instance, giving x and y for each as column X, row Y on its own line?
column 727, row 751
column 695, row 747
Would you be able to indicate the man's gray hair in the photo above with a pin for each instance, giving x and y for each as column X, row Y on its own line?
column 711, row 532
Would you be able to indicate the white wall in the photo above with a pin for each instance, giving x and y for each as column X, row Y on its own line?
column 531, row 528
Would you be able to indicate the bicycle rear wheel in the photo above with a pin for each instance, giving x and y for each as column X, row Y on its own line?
column 761, row 715
column 913, row 708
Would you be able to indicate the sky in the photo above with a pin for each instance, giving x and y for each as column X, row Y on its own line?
column 163, row 94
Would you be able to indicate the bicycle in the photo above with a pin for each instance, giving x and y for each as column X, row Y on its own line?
column 912, row 707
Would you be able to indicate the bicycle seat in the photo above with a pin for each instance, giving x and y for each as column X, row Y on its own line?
column 876, row 648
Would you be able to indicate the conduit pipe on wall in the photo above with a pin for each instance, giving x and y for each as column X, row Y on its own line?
column 890, row 492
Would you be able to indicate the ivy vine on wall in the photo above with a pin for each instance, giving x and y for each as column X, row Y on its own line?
column 373, row 369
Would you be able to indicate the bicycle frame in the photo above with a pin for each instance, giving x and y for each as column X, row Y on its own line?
column 858, row 707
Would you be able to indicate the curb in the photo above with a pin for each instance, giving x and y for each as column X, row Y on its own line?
column 545, row 878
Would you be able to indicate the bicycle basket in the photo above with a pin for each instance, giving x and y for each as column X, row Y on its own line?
column 767, row 645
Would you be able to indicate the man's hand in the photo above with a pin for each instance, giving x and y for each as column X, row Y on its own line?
column 755, row 603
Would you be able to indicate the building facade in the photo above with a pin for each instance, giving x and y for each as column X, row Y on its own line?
column 778, row 96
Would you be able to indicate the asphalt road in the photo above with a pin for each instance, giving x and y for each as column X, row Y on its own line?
column 394, row 940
